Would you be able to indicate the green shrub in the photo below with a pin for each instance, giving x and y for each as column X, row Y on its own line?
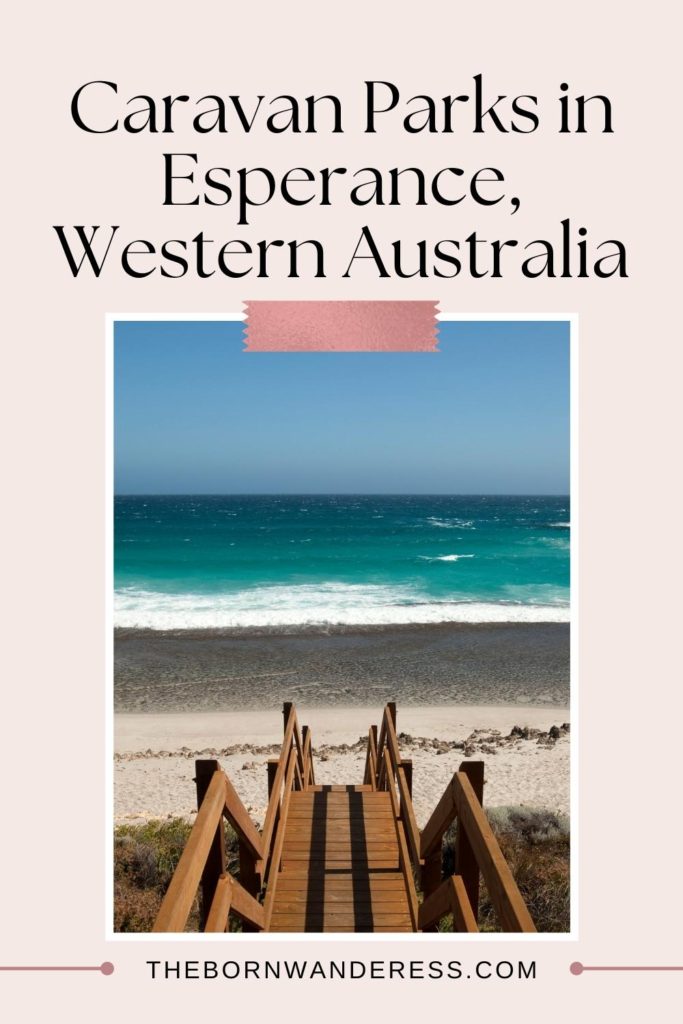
column 145, row 857
column 535, row 843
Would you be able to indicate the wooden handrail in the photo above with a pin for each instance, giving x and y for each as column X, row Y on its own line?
column 460, row 801
column 450, row 897
column 502, row 888
column 309, row 772
column 177, row 903
column 404, row 858
column 238, row 816
column 274, row 802
column 407, row 810
column 442, row 817
column 274, row 864
column 370, row 777
column 217, row 921
column 299, row 752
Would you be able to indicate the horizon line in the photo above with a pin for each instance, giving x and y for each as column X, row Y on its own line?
column 343, row 494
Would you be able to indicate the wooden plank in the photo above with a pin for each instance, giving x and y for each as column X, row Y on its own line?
column 238, row 816
column 431, row 875
column 463, row 915
column 245, row 906
column 330, row 823
column 297, row 922
column 393, row 799
column 381, row 747
column 360, row 848
column 341, row 796
column 338, row 930
column 408, row 817
column 272, row 765
column 407, row 765
column 341, row 897
column 404, row 859
column 299, row 750
column 215, row 862
column 279, row 840
column 275, row 794
column 181, row 892
column 347, row 863
column 341, row 843
column 407, row 810
column 321, row 812
column 443, row 815
column 354, row 859
column 310, row 800
column 371, row 758
column 217, row 918
column 342, row 826
column 301, row 879
column 505, row 896
column 348, row 837
column 465, row 857
column 341, row 788
column 392, row 744
column 337, row 819
column 386, row 881
column 309, row 779
column 435, row 906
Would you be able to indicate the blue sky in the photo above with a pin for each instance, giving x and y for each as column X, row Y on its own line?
column 488, row 414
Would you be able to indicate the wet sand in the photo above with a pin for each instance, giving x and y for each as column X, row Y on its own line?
column 451, row 663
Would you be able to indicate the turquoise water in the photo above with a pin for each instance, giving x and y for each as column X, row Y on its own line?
column 240, row 561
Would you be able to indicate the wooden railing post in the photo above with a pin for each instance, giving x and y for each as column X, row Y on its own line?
column 215, row 862
column 249, row 879
column 286, row 711
column 373, row 730
column 408, row 766
column 273, row 762
column 465, row 859
column 431, row 877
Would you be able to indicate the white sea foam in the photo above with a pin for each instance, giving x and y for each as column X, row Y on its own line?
column 310, row 605
column 443, row 558
column 451, row 524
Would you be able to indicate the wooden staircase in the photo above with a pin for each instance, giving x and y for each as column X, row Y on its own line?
column 341, row 858
column 340, row 868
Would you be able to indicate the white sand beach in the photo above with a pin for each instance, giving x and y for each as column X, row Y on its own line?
column 154, row 754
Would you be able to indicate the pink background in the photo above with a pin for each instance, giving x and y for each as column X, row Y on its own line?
column 52, row 887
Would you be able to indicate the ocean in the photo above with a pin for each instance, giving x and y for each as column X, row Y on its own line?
column 236, row 561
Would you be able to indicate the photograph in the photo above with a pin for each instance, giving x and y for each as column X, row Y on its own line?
column 341, row 618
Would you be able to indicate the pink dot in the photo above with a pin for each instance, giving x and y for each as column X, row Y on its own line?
column 107, row 968
column 576, row 967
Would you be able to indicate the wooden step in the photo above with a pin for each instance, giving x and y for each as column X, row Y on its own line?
column 340, row 789
column 330, row 922
column 301, row 878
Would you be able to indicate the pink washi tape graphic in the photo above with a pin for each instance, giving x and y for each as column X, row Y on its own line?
column 372, row 326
